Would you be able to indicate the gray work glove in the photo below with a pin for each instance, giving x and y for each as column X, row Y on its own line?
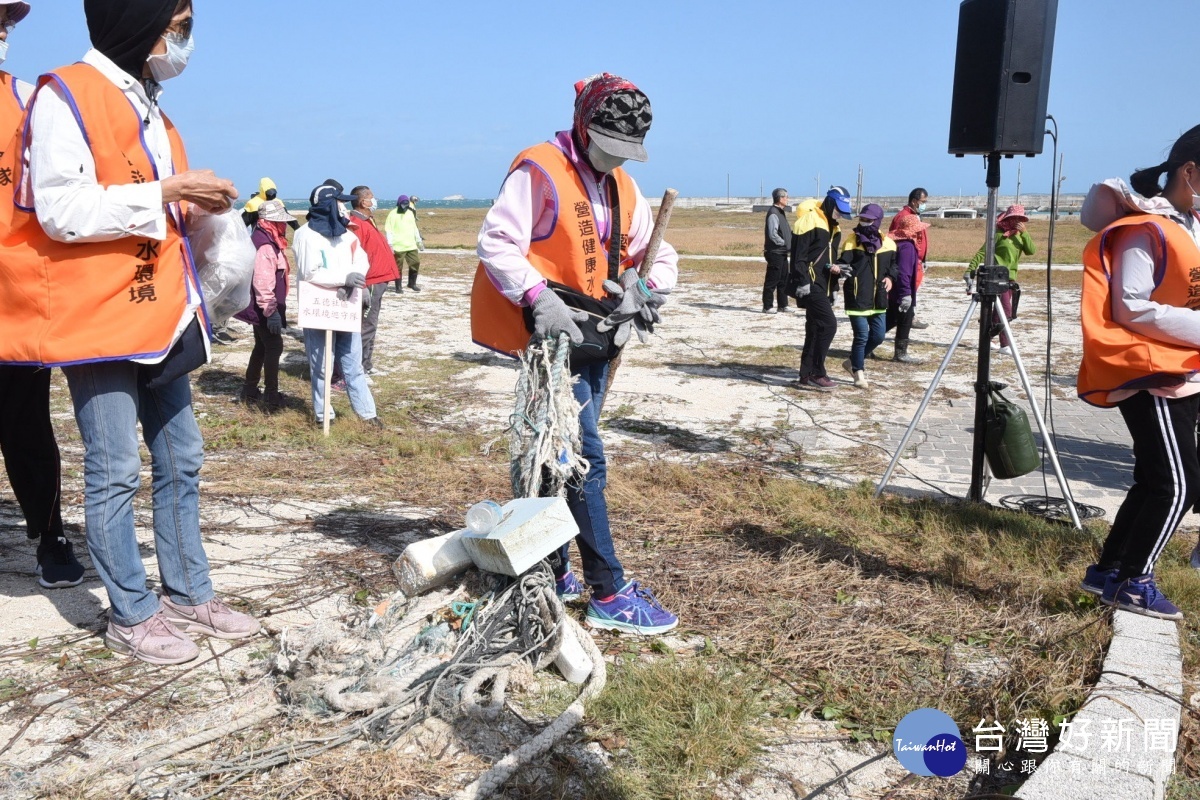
column 905, row 303
column 803, row 290
column 637, row 309
column 967, row 278
column 551, row 316
column 354, row 280
column 274, row 323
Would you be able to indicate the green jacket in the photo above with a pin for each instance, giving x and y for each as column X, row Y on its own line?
column 401, row 230
column 1008, row 252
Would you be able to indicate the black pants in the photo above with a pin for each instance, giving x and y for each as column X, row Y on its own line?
column 819, row 327
column 264, row 359
column 30, row 449
column 1166, row 481
column 775, row 285
column 901, row 322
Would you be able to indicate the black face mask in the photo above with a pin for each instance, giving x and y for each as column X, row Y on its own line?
column 127, row 30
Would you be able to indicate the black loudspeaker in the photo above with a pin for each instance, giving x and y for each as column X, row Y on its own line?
column 1002, row 76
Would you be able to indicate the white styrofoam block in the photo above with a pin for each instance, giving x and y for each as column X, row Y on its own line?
column 431, row 562
column 573, row 661
column 531, row 529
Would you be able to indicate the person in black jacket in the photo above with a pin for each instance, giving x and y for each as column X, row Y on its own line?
column 777, row 247
column 816, row 240
column 869, row 258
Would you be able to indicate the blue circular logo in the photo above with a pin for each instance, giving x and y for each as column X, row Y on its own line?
column 927, row 743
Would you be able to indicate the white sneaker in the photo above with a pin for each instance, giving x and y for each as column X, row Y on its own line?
column 370, row 380
column 1005, row 351
column 860, row 379
column 770, row 311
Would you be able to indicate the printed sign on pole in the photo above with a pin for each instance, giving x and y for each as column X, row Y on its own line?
column 320, row 309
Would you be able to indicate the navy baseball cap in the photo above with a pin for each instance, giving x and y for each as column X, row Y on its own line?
column 329, row 188
column 842, row 198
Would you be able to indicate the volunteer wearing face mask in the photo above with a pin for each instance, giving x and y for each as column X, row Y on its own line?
column 568, row 214
column 1141, row 354
column 816, row 242
column 382, row 270
column 99, row 233
column 27, row 440
column 916, row 206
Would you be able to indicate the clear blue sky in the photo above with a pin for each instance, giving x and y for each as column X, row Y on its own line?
column 434, row 98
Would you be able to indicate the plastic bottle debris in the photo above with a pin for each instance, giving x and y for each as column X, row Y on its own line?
column 483, row 517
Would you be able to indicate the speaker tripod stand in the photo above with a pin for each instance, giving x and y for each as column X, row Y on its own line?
column 991, row 281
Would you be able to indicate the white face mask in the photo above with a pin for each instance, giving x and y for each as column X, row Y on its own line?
column 170, row 64
column 374, row 204
column 601, row 160
column 921, row 208
column 3, row 51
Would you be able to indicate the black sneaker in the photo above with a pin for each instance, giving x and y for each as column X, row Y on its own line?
column 57, row 567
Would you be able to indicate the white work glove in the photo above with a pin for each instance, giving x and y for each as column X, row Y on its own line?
column 905, row 303
column 551, row 316
column 804, row 290
column 421, row 245
column 967, row 279
column 637, row 310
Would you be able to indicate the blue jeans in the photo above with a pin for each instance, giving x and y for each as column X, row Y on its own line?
column 347, row 353
column 110, row 399
column 868, row 333
column 601, row 569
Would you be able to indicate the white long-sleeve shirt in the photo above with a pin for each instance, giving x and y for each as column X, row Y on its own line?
column 327, row 262
column 70, row 204
column 525, row 209
column 1134, row 250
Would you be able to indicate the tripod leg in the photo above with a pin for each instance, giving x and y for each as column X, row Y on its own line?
column 1037, row 415
column 937, row 378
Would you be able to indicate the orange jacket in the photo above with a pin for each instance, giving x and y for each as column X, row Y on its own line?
column 574, row 254
column 1115, row 357
column 93, row 301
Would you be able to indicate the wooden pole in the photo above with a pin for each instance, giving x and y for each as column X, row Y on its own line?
column 327, row 375
column 656, row 237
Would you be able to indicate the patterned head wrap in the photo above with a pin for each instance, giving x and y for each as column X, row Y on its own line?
column 615, row 113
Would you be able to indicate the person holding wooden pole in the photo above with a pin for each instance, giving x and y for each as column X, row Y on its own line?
column 329, row 255
column 559, row 254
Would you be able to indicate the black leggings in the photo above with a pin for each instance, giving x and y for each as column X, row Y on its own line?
column 1166, row 481
column 30, row 449
column 264, row 359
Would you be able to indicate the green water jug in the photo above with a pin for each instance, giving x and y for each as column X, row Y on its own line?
column 1008, row 441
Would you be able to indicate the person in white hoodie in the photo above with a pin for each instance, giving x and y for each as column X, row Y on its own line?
column 329, row 254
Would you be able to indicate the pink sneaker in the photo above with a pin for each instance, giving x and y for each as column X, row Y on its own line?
column 213, row 618
column 155, row 641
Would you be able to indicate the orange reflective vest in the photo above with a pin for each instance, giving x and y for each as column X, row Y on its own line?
column 1115, row 357
column 574, row 253
column 93, row 301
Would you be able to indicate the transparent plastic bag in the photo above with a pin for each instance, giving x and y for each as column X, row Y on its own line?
column 224, row 258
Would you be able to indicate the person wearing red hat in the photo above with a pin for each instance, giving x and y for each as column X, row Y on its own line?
column 908, row 232
column 1012, row 240
column 27, row 440
column 571, row 223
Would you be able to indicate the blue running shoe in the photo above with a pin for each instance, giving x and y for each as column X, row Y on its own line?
column 1095, row 579
column 632, row 610
column 568, row 588
column 1141, row 596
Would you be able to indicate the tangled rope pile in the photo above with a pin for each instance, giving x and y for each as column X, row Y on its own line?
column 391, row 667
column 545, row 440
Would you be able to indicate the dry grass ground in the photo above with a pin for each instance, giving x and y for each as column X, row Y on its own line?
column 813, row 602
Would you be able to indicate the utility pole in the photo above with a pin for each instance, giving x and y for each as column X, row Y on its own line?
column 858, row 197
column 727, row 188
column 817, row 192
column 1061, row 178
column 1017, row 201
column 761, row 196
